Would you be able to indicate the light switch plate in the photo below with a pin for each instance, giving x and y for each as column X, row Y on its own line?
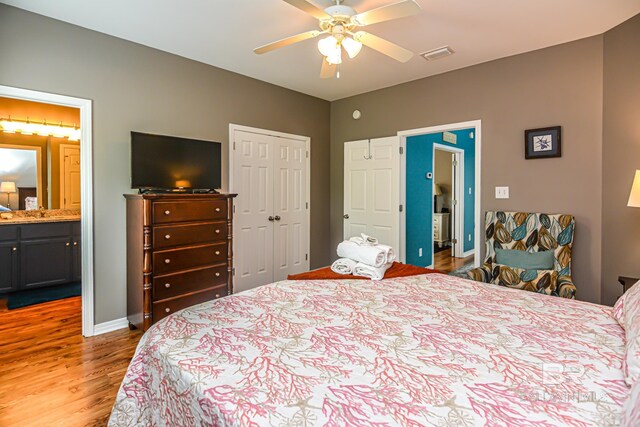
column 502, row 192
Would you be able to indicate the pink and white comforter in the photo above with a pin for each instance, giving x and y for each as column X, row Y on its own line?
column 422, row 350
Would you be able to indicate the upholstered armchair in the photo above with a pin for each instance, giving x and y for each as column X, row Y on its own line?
column 530, row 232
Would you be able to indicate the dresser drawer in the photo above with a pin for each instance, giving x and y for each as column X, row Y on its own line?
column 176, row 235
column 172, row 285
column 173, row 260
column 204, row 210
column 162, row 309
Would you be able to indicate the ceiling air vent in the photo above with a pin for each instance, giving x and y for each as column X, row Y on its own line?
column 434, row 54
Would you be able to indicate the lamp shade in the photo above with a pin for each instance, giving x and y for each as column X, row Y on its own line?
column 7, row 187
column 437, row 190
column 634, row 197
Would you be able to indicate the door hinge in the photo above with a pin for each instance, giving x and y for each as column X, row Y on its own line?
column 401, row 150
column 454, row 241
column 307, row 154
column 306, row 257
column 401, row 208
column 233, row 271
column 454, row 163
column 455, row 202
column 234, row 208
column 234, row 145
column 307, row 204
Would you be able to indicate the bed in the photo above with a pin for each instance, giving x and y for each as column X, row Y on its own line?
column 422, row 350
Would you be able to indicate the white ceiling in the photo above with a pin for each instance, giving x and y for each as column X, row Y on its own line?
column 224, row 32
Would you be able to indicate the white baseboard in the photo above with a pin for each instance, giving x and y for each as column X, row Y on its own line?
column 110, row 326
column 469, row 253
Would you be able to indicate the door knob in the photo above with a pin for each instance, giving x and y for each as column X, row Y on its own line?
column 271, row 218
column 277, row 218
column 345, row 216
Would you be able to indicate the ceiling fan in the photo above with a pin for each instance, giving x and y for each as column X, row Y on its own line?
column 342, row 23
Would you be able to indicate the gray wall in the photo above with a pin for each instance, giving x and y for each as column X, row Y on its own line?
column 620, row 224
column 137, row 88
column 561, row 85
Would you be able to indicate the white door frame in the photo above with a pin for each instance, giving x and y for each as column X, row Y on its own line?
column 307, row 140
column 86, row 189
column 404, row 134
column 458, row 209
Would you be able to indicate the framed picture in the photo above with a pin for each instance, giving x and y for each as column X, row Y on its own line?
column 543, row 143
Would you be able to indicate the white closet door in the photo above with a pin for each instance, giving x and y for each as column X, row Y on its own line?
column 289, row 203
column 372, row 189
column 253, row 231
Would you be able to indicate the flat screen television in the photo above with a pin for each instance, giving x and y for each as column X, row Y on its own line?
column 161, row 162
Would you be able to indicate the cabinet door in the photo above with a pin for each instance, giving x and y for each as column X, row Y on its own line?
column 77, row 260
column 45, row 262
column 8, row 266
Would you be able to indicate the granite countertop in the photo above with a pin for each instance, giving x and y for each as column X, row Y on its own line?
column 32, row 220
column 34, row 217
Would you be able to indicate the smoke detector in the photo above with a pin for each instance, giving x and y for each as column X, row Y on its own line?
column 434, row 54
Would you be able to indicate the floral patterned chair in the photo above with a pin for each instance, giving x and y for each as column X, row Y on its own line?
column 530, row 232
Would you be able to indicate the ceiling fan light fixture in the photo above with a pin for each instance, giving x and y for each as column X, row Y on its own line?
column 336, row 57
column 351, row 46
column 328, row 46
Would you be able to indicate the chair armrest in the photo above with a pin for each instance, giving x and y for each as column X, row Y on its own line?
column 566, row 288
column 481, row 274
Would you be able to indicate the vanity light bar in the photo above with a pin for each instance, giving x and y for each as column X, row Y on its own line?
column 43, row 129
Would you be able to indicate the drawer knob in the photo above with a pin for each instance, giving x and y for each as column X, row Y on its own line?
column 166, row 310
column 217, row 295
column 217, row 274
column 75, row 243
column 217, row 252
column 167, row 212
column 167, row 261
column 167, row 236
column 14, row 249
column 217, row 209
column 67, row 244
column 217, row 231
column 167, row 285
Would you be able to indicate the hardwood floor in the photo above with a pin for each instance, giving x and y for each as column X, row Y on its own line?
column 444, row 262
column 50, row 375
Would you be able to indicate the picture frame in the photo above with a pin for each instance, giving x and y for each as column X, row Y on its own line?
column 543, row 143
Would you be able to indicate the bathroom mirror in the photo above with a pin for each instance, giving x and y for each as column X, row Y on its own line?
column 38, row 171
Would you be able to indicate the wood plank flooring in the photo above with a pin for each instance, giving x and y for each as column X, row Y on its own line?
column 50, row 375
column 444, row 262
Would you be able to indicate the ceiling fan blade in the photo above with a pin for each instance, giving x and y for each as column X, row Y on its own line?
column 286, row 42
column 328, row 71
column 383, row 46
column 387, row 13
column 309, row 8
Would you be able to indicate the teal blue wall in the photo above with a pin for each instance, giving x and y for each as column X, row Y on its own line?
column 419, row 209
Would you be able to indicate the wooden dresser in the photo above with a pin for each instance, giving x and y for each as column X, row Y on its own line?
column 179, row 253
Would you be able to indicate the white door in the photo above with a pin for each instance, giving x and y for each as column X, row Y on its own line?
column 69, row 177
column 372, row 189
column 252, row 229
column 271, row 227
column 290, row 214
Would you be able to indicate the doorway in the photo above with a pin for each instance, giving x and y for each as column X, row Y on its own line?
column 73, row 260
column 426, row 223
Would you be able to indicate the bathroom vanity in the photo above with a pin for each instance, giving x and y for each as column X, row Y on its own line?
column 38, row 252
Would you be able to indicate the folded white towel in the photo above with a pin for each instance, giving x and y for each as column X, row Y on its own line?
column 365, row 254
column 373, row 273
column 389, row 253
column 343, row 266
column 364, row 240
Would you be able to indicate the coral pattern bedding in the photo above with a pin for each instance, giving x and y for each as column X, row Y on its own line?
column 411, row 351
